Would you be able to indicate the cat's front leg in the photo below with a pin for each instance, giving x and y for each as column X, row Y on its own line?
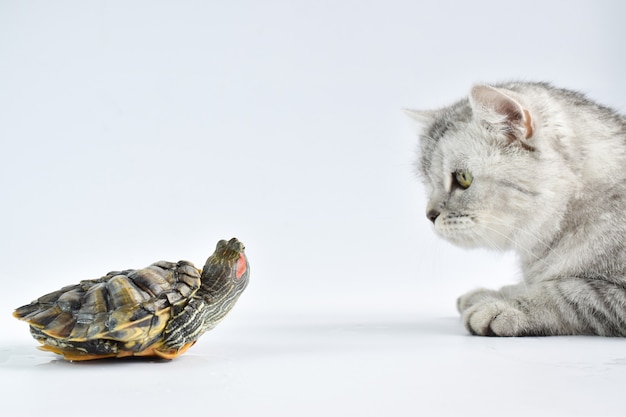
column 497, row 317
column 473, row 297
column 508, row 311
column 478, row 295
column 564, row 306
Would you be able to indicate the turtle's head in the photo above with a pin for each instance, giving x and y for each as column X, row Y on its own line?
column 227, row 269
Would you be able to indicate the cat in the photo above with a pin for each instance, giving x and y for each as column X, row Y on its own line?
column 539, row 170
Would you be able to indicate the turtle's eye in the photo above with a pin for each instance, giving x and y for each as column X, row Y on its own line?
column 463, row 178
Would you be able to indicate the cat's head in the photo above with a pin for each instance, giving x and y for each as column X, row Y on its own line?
column 490, row 180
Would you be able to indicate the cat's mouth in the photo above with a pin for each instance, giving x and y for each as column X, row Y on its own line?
column 457, row 228
column 469, row 231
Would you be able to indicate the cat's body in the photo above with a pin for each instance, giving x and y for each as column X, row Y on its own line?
column 542, row 171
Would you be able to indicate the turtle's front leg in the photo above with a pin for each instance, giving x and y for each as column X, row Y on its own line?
column 186, row 326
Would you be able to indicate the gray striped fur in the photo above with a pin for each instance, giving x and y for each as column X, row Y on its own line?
column 549, row 182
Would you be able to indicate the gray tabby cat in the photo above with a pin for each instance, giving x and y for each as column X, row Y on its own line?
column 541, row 171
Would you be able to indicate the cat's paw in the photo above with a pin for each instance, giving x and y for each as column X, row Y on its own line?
column 495, row 318
column 473, row 297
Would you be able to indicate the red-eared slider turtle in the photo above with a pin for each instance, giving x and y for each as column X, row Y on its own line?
column 157, row 311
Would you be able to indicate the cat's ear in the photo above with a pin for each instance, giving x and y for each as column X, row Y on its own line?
column 499, row 107
column 423, row 117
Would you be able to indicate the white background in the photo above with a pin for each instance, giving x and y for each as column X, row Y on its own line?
column 133, row 131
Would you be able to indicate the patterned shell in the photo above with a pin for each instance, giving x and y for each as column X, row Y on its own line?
column 125, row 312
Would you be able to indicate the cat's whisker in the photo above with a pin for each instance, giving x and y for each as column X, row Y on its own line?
column 496, row 231
column 535, row 237
column 491, row 243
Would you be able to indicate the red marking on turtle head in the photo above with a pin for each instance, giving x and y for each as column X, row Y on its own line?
column 241, row 266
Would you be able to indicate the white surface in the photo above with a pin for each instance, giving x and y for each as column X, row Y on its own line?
column 137, row 131
column 385, row 365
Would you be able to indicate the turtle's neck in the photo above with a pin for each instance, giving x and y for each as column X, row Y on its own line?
column 218, row 294
column 216, row 281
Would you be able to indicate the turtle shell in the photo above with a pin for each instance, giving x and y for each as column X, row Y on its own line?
column 123, row 313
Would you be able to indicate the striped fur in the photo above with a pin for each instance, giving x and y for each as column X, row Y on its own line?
column 549, row 182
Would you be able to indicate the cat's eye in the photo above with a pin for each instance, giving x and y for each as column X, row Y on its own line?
column 463, row 178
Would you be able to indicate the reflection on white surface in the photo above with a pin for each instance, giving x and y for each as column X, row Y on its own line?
column 336, row 366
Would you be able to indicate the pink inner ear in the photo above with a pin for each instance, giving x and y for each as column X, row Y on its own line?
column 241, row 266
column 528, row 124
column 493, row 104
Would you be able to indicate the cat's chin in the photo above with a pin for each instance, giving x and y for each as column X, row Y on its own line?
column 467, row 244
column 475, row 241
column 464, row 242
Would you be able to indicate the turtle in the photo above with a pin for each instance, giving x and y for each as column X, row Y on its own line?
column 158, row 311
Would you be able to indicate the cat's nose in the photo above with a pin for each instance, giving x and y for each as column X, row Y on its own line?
column 432, row 215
